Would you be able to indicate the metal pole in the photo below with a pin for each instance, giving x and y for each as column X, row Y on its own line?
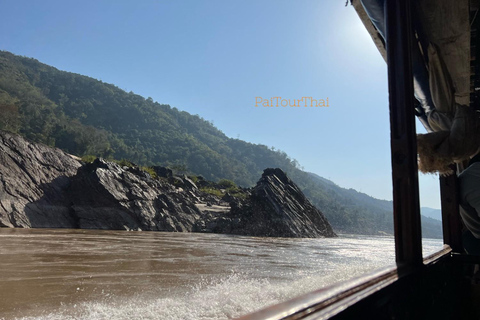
column 406, row 203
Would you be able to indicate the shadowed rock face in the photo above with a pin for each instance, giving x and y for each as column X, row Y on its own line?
column 107, row 196
column 43, row 187
column 32, row 179
column 285, row 208
column 276, row 207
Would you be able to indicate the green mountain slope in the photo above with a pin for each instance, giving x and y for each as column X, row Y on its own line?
column 85, row 116
column 357, row 205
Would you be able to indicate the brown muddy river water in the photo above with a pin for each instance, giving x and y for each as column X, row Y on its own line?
column 94, row 274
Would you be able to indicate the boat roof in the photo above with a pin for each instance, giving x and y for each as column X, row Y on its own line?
column 452, row 39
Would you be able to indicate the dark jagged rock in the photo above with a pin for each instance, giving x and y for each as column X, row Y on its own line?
column 163, row 172
column 189, row 184
column 227, row 197
column 42, row 187
column 32, row 179
column 176, row 181
column 45, row 187
column 201, row 182
column 105, row 196
column 277, row 208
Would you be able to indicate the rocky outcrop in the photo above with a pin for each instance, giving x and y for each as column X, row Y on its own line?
column 45, row 187
column 275, row 207
column 104, row 195
column 32, row 180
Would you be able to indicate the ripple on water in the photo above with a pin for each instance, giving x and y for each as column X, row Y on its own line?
column 92, row 274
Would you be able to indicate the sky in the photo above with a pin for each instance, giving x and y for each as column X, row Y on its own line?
column 218, row 58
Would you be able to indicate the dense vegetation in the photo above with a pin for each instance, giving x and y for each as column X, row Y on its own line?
column 84, row 116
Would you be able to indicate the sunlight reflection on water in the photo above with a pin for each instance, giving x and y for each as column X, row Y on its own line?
column 93, row 274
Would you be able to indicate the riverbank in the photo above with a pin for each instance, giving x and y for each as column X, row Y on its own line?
column 44, row 187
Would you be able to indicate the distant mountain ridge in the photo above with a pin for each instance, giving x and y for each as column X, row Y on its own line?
column 356, row 195
column 367, row 200
column 432, row 213
column 84, row 116
column 381, row 209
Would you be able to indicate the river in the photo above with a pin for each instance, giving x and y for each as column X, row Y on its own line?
column 93, row 274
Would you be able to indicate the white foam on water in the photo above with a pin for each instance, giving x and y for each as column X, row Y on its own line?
column 180, row 277
column 227, row 298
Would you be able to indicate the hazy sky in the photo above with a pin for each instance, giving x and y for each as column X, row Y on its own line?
column 215, row 58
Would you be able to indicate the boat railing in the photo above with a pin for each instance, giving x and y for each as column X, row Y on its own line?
column 328, row 302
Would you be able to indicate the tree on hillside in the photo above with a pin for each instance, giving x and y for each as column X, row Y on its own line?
column 9, row 118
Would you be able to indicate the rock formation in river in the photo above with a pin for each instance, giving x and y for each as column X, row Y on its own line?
column 33, row 178
column 276, row 207
column 105, row 195
column 43, row 187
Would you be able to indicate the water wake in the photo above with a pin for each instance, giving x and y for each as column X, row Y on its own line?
column 226, row 298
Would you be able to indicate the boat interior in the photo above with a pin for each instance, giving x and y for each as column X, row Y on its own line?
column 446, row 284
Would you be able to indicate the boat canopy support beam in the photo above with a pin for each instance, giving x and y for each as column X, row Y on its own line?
column 406, row 202
column 452, row 225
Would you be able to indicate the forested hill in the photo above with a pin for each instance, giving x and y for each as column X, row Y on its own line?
column 84, row 116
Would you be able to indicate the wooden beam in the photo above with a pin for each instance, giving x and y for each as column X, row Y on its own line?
column 452, row 225
column 406, row 203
